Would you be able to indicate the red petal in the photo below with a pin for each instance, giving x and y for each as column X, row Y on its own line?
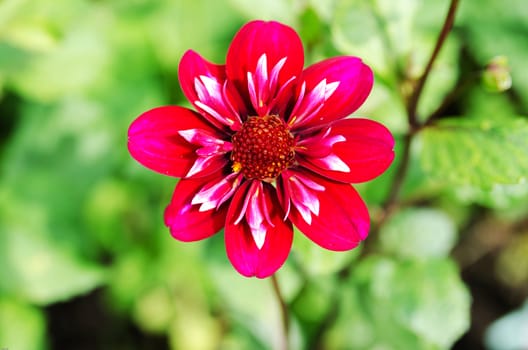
column 241, row 249
column 355, row 83
column 256, row 38
column 154, row 141
column 213, row 99
column 185, row 221
column 367, row 151
column 343, row 219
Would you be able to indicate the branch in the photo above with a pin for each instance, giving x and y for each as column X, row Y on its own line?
column 284, row 312
column 413, row 100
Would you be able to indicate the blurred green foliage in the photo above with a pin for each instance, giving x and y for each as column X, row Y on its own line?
column 78, row 214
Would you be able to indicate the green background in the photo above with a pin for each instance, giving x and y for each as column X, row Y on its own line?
column 86, row 263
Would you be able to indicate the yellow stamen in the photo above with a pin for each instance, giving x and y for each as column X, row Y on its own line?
column 236, row 167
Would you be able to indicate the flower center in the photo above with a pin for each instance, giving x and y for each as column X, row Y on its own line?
column 262, row 148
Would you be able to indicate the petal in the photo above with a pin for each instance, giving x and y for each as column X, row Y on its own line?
column 241, row 248
column 344, row 83
column 343, row 220
column 205, row 86
column 185, row 220
column 154, row 140
column 365, row 148
column 276, row 46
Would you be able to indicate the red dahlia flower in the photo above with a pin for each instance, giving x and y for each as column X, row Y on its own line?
column 269, row 146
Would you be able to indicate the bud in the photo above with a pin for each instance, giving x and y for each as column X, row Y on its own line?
column 496, row 77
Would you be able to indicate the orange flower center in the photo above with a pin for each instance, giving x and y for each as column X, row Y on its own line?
column 262, row 148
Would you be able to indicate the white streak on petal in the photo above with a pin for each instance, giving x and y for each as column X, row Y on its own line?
column 261, row 70
column 330, row 89
column 259, row 236
column 212, row 86
column 201, row 91
column 213, row 195
column 274, row 76
column 305, row 213
column 188, row 134
column 254, row 214
column 207, row 206
column 333, row 162
column 230, row 105
column 293, row 118
column 310, row 183
column 252, row 91
column 335, row 139
column 199, row 164
column 214, row 114
column 247, row 198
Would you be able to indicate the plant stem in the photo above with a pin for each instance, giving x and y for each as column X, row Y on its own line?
column 412, row 103
column 284, row 312
column 412, row 117
column 401, row 172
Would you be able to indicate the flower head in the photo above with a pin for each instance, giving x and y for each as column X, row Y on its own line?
column 268, row 147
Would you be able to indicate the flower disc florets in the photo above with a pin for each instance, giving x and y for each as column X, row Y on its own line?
column 263, row 148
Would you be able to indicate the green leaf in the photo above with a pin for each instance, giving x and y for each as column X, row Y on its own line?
column 82, row 57
column 405, row 304
column 394, row 39
column 418, row 233
column 311, row 27
column 509, row 332
column 42, row 274
column 480, row 153
column 22, row 326
column 169, row 27
column 319, row 261
column 253, row 305
column 358, row 29
column 506, row 197
column 34, row 268
column 314, row 300
column 279, row 10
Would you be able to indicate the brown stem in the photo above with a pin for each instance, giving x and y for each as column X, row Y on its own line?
column 414, row 98
column 284, row 312
column 401, row 173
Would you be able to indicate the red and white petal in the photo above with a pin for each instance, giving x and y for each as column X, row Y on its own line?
column 155, row 140
column 205, row 86
column 330, row 90
column 217, row 192
column 295, row 188
column 187, row 221
column 257, row 203
column 343, row 220
column 263, row 60
column 363, row 151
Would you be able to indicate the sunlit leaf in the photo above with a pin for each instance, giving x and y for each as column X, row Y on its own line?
column 316, row 260
column 480, row 153
column 280, row 10
column 508, row 331
column 22, row 326
column 37, row 270
column 402, row 305
column 418, row 233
